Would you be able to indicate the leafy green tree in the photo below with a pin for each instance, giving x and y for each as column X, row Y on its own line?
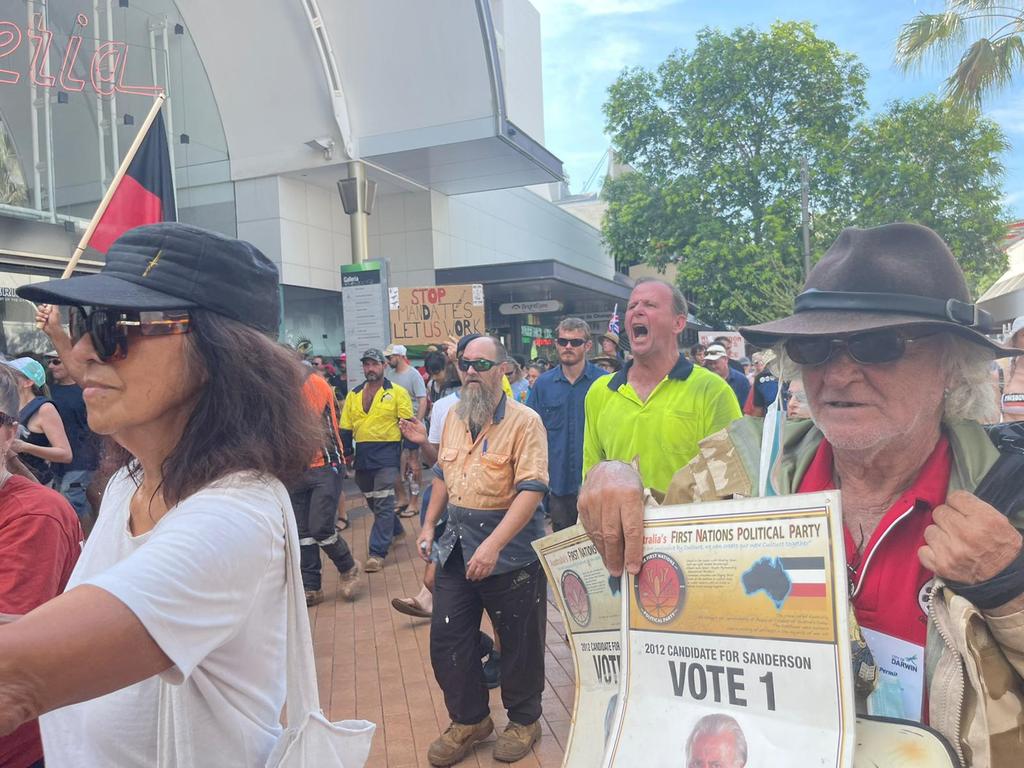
column 716, row 136
column 937, row 164
column 983, row 40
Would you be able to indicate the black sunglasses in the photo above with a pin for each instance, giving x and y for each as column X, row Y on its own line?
column 481, row 365
column 867, row 348
column 564, row 342
column 108, row 328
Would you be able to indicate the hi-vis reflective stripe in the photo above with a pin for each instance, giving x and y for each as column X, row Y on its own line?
column 307, row 541
column 379, row 494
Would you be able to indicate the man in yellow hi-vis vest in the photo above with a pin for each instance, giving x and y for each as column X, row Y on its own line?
column 370, row 418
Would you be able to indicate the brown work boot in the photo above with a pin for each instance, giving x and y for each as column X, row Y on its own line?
column 373, row 564
column 516, row 741
column 458, row 741
column 350, row 580
column 314, row 597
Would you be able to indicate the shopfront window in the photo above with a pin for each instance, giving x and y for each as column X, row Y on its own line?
column 18, row 332
column 313, row 319
column 77, row 78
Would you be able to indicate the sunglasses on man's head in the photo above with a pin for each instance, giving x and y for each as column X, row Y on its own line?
column 868, row 348
column 108, row 328
column 564, row 342
column 481, row 365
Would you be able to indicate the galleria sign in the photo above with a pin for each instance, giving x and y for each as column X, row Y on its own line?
column 105, row 68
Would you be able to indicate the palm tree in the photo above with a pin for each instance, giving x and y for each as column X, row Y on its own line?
column 988, row 63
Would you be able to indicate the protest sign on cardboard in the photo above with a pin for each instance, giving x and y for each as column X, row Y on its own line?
column 433, row 314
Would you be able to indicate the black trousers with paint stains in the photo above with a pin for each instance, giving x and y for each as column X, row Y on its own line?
column 517, row 604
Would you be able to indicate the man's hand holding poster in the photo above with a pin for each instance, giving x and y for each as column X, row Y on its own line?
column 736, row 649
column 734, row 641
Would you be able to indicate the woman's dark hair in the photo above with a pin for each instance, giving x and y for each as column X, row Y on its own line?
column 434, row 362
column 251, row 413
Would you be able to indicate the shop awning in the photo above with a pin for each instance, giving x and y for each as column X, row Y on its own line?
column 420, row 89
column 579, row 291
column 1005, row 299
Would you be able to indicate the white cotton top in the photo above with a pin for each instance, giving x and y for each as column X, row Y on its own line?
column 208, row 583
column 437, row 416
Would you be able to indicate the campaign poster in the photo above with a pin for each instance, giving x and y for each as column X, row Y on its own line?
column 590, row 602
column 735, row 638
column 736, row 346
column 434, row 314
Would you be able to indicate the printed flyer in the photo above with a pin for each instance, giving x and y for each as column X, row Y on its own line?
column 735, row 644
column 591, row 606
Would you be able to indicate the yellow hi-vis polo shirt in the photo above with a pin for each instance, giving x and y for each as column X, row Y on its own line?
column 377, row 436
column 687, row 405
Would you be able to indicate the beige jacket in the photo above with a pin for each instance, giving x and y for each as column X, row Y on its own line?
column 974, row 663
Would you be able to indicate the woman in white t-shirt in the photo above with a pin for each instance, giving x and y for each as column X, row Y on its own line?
column 168, row 646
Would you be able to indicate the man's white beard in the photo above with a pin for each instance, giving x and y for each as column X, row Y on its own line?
column 476, row 405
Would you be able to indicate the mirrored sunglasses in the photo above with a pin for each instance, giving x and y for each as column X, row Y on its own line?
column 481, row 365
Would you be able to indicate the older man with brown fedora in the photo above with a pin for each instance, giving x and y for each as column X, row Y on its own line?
column 895, row 363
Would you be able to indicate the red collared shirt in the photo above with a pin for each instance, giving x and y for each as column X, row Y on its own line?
column 887, row 578
column 888, row 585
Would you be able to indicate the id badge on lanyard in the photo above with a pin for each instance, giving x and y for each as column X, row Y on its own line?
column 900, row 689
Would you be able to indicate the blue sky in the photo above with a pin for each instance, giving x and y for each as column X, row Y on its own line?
column 587, row 43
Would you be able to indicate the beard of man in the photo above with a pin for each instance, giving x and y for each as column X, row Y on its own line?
column 477, row 401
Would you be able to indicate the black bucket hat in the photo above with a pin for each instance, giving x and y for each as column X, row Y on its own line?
column 893, row 276
column 176, row 266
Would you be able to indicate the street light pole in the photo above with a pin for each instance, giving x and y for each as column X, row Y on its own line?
column 805, row 215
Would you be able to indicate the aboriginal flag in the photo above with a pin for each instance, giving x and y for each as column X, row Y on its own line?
column 145, row 194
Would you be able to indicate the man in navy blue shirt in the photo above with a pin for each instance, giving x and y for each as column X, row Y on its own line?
column 558, row 396
column 717, row 359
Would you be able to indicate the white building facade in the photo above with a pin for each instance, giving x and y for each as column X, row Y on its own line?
column 268, row 105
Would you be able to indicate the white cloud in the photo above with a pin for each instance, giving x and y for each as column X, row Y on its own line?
column 1009, row 114
column 558, row 17
column 613, row 54
column 600, row 7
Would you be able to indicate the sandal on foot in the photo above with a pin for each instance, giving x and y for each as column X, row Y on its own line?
column 410, row 606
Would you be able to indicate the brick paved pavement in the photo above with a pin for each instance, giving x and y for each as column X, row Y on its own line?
column 374, row 663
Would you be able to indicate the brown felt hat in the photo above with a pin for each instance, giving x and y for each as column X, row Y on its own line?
column 892, row 276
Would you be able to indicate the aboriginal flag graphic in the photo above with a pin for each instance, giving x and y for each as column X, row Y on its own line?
column 145, row 194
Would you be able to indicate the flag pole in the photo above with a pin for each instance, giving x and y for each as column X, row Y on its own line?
column 115, row 182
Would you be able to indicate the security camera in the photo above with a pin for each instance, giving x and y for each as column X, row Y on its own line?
column 324, row 144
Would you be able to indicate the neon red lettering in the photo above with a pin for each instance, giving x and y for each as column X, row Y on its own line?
column 10, row 39
column 41, row 37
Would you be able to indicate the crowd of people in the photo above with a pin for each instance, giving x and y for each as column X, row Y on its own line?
column 890, row 378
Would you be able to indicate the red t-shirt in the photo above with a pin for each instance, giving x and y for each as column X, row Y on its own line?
column 40, row 540
column 887, row 581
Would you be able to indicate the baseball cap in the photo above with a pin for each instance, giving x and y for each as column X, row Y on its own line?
column 175, row 266
column 28, row 368
column 372, row 354
column 715, row 352
column 464, row 342
column 395, row 349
